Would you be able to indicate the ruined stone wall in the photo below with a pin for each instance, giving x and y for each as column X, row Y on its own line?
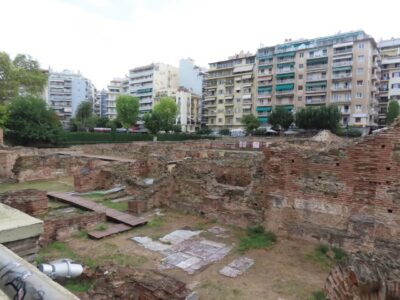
column 346, row 196
column 62, row 227
column 30, row 201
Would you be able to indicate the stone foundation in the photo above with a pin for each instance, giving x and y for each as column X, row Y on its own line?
column 30, row 201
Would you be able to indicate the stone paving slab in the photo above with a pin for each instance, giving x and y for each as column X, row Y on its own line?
column 148, row 243
column 112, row 229
column 237, row 267
column 178, row 236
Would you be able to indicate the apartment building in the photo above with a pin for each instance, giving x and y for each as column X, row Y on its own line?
column 117, row 86
column 191, row 76
column 390, row 76
column 66, row 90
column 229, row 90
column 146, row 81
column 342, row 69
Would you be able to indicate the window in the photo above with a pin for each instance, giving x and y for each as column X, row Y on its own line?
column 396, row 86
column 220, row 92
column 358, row 107
column 300, row 87
column 238, row 100
column 299, row 98
column 359, row 82
column 220, row 101
column 219, row 120
column 358, row 120
column 361, row 58
column 302, row 54
column 221, row 81
column 360, row 70
column 359, row 95
column 301, row 66
column 361, row 46
column 300, row 76
column 238, row 120
column 395, row 74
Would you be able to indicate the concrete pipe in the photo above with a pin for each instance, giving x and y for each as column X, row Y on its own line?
column 63, row 268
column 21, row 280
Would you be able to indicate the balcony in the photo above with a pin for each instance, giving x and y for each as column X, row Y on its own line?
column 339, row 51
column 286, row 59
column 318, row 55
column 342, row 63
column 341, row 88
column 341, row 99
column 316, row 90
column 342, row 75
column 288, row 80
column 316, row 78
column 286, row 92
column 229, row 103
column 316, row 67
column 229, row 112
column 285, row 70
column 345, row 111
column 314, row 100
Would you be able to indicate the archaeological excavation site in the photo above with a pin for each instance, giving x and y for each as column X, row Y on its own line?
column 231, row 218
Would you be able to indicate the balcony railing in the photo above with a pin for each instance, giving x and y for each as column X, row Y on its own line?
column 315, row 101
column 342, row 63
column 285, row 70
column 318, row 55
column 316, row 89
column 341, row 99
column 342, row 75
column 286, row 59
column 343, row 51
column 341, row 88
column 284, row 92
column 314, row 67
column 316, row 78
column 289, row 80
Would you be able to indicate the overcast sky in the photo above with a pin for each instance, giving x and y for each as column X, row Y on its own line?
column 105, row 38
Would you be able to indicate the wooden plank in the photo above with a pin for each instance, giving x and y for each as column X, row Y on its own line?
column 111, row 214
column 112, row 229
column 101, row 157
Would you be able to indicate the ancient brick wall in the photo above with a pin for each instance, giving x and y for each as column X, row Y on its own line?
column 346, row 196
column 30, row 201
column 1, row 137
column 61, row 228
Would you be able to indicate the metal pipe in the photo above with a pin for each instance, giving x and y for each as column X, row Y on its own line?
column 21, row 280
column 62, row 268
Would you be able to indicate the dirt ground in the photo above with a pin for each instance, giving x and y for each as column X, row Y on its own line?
column 281, row 272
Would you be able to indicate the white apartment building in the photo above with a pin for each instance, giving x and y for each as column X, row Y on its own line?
column 66, row 90
column 146, row 81
column 116, row 87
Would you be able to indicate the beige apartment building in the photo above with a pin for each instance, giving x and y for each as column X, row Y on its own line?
column 390, row 77
column 342, row 69
column 229, row 91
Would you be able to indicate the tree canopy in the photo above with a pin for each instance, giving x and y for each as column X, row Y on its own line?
column 84, row 118
column 280, row 116
column 152, row 122
column 3, row 116
column 21, row 76
column 250, row 122
column 166, row 110
column 30, row 122
column 127, row 110
column 324, row 117
column 392, row 112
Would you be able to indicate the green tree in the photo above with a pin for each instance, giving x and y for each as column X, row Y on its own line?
column 83, row 116
column 280, row 116
column 166, row 110
column 102, row 122
column 127, row 110
column 152, row 122
column 31, row 122
column 324, row 117
column 392, row 112
column 20, row 76
column 250, row 122
column 3, row 116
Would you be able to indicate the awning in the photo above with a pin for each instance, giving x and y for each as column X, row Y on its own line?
column 264, row 89
column 342, row 57
column 247, row 76
column 317, row 83
column 346, row 68
column 241, row 69
column 263, row 119
column 287, row 107
column 264, row 108
column 285, row 87
column 286, row 54
column 245, row 97
column 317, row 61
column 288, row 64
column 286, row 75
column 228, row 97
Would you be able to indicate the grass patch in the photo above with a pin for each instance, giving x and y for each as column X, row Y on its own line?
column 80, row 234
column 59, row 185
column 56, row 250
column 102, row 227
column 156, row 222
column 78, row 286
column 122, row 260
column 256, row 238
column 121, row 206
column 326, row 257
column 318, row 295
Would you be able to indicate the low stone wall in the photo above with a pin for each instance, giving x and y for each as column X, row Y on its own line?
column 25, row 248
column 30, row 201
column 61, row 228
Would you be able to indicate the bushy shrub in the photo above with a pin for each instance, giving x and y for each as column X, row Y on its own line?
column 224, row 131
